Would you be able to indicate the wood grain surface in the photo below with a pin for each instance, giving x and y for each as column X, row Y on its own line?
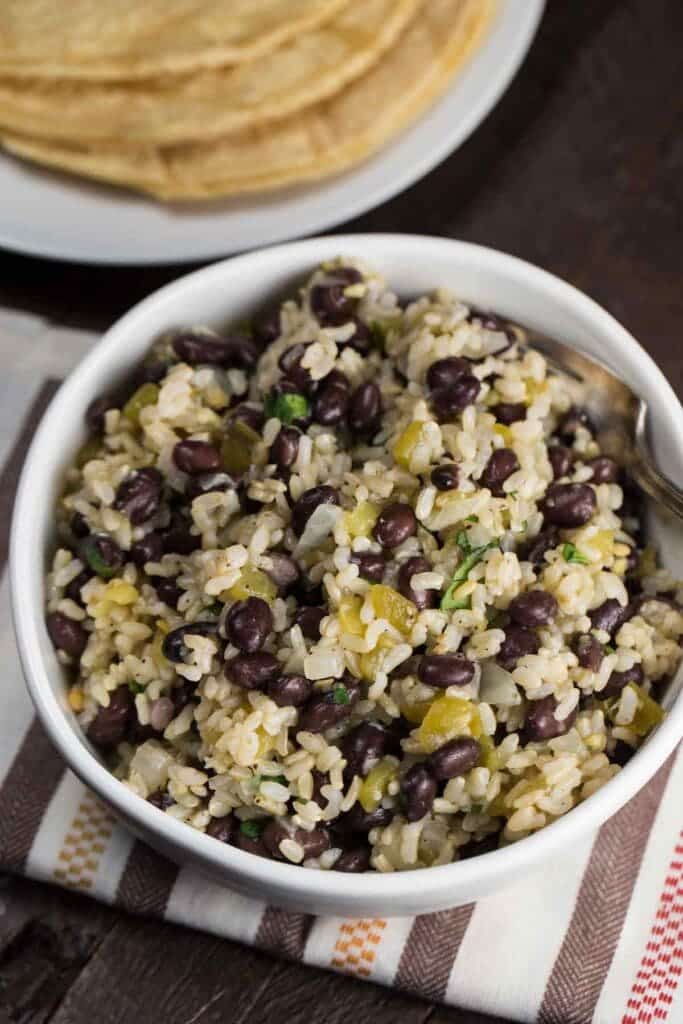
column 578, row 169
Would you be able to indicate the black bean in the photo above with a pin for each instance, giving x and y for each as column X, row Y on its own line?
column 320, row 779
column 250, row 415
column 622, row 753
column 454, row 758
column 66, row 634
column 73, row 589
column 285, row 447
column 572, row 421
column 95, row 413
column 168, row 590
column 79, row 526
column 354, row 861
column 476, row 847
column 444, row 670
column 329, row 303
column 363, row 747
column 589, row 652
column 569, row 505
column 358, row 820
column 418, row 789
column 267, row 328
column 618, row 680
column 544, row 541
column 223, row 829
column 110, row 725
column 509, row 412
column 290, row 365
column 448, row 402
column 533, row 608
column 518, row 641
column 444, row 373
column 149, row 548
column 250, row 843
column 420, row 598
column 446, row 477
column 139, row 495
column 313, row 843
column 284, row 572
column 361, row 339
column 324, row 710
column 338, row 379
column 252, row 671
column 207, row 483
column 182, row 695
column 248, row 624
column 308, row 593
column 196, row 457
column 561, row 459
column 329, row 404
column 204, row 346
column 308, row 619
column 396, row 523
column 604, row 470
column 150, row 373
column 174, row 647
column 609, row 616
column 178, row 538
column 371, row 566
column 160, row 799
column 365, row 409
column 540, row 722
column 308, row 503
column 290, row 691
column 101, row 554
column 502, row 464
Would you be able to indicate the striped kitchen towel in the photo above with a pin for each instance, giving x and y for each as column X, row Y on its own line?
column 597, row 935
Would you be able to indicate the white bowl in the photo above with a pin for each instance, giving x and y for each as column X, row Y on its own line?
column 227, row 292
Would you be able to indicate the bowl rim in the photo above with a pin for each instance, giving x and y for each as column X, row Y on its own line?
column 26, row 560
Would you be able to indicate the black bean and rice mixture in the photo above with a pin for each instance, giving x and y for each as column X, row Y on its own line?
column 353, row 586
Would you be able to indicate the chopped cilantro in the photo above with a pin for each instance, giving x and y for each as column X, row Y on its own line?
column 252, row 828
column 463, row 542
column 340, row 695
column 258, row 779
column 472, row 519
column 136, row 687
column 378, row 334
column 512, row 494
column 287, row 407
column 570, row 553
column 216, row 608
column 475, row 555
column 608, row 649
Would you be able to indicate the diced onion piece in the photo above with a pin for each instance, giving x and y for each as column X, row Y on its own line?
column 497, row 686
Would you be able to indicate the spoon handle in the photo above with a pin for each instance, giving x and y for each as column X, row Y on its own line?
column 647, row 475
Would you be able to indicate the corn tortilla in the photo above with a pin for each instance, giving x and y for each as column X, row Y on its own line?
column 211, row 103
column 105, row 40
column 326, row 139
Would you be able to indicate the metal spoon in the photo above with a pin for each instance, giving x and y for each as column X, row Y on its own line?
column 620, row 415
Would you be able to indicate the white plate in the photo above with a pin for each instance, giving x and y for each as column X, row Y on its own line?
column 49, row 214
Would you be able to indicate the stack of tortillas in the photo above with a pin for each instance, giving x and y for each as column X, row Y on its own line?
column 191, row 99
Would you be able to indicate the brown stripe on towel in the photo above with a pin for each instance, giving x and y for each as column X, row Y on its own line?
column 147, row 881
column 586, row 953
column 431, row 950
column 25, row 794
column 283, row 932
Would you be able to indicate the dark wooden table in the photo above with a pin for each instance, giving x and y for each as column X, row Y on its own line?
column 578, row 169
